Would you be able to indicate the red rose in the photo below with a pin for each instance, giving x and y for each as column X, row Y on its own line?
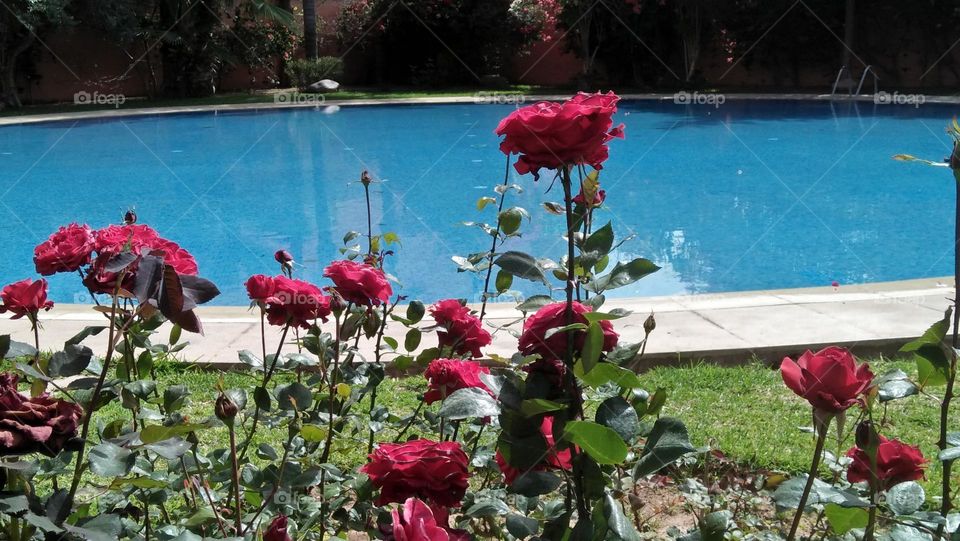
column 553, row 135
column 460, row 330
column 65, row 251
column 554, row 460
column 436, row 472
column 829, row 379
column 41, row 424
column 25, row 298
column 897, row 462
column 277, row 530
column 449, row 375
column 260, row 288
column 99, row 280
column 598, row 198
column 419, row 523
column 175, row 256
column 114, row 238
column 297, row 303
column 534, row 340
column 359, row 283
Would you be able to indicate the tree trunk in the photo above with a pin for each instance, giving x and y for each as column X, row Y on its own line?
column 310, row 29
column 282, row 64
column 8, row 82
column 848, row 34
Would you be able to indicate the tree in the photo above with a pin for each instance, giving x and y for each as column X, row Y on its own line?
column 21, row 21
column 310, row 29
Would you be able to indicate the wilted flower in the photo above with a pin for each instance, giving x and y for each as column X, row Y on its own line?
column 277, row 530
column 41, row 424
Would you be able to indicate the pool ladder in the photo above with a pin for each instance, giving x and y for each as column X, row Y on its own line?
column 863, row 77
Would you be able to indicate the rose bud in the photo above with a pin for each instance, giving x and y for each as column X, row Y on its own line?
column 365, row 178
column 130, row 217
column 285, row 259
column 867, row 437
column 225, row 409
column 649, row 324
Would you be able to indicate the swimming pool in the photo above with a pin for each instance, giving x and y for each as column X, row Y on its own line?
column 745, row 196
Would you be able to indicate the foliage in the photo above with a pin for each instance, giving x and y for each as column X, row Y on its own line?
column 303, row 72
column 257, row 41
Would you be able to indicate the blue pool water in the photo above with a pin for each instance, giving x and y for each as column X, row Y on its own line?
column 710, row 193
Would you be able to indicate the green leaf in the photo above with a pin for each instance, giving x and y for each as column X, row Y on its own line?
column 487, row 508
column 601, row 443
column 521, row 265
column 605, row 373
column 415, row 311
column 175, row 332
column 294, row 396
column 484, row 201
column 592, row 347
column 522, row 527
column 906, row 498
column 174, row 397
column 895, row 385
column 714, row 526
column 247, row 357
column 623, row 274
column 82, row 335
column 412, row 339
column 534, row 303
column 536, row 406
column 933, row 368
column 19, row 349
column 534, row 483
column 155, row 433
column 313, row 433
column 170, row 449
column 934, row 335
column 617, row 521
column 844, row 519
column 110, row 460
column 467, row 403
column 566, row 328
column 618, row 414
column 554, row 208
column 510, row 221
column 504, row 281
column 667, row 442
column 597, row 245
column 69, row 362
column 787, row 495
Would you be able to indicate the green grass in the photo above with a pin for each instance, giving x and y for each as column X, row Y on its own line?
column 747, row 413
column 267, row 98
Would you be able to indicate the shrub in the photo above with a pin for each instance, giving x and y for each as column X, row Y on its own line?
column 303, row 72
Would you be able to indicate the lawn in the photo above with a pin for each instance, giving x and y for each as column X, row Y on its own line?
column 745, row 411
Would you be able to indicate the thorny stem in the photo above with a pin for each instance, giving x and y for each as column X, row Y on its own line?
column 814, row 468
column 267, row 374
column 276, row 487
column 946, row 504
column 493, row 244
column 94, row 399
column 236, row 479
column 576, row 397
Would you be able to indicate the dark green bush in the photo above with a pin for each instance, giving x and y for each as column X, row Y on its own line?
column 303, row 72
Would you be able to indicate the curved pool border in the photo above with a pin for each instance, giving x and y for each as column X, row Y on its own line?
column 330, row 99
column 872, row 318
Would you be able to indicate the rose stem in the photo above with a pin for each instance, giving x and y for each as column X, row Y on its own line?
column 493, row 245
column 946, row 504
column 576, row 404
column 266, row 379
column 814, row 468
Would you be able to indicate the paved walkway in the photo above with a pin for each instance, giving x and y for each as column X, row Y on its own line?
column 727, row 327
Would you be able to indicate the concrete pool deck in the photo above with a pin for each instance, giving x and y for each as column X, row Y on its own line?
column 723, row 327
